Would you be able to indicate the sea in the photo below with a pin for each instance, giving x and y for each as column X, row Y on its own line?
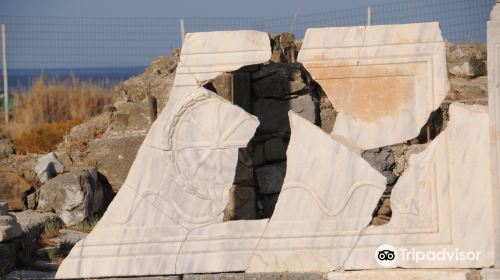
column 21, row 79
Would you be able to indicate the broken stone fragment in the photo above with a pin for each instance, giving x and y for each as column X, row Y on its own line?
column 73, row 196
column 371, row 82
column 9, row 227
column 181, row 177
column 242, row 203
column 48, row 167
column 467, row 61
column 327, row 190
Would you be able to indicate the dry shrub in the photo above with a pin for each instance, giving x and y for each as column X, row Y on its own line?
column 42, row 138
column 48, row 110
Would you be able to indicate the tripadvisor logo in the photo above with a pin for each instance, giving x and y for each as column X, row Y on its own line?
column 387, row 255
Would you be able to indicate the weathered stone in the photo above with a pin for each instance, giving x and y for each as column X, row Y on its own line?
column 315, row 201
column 48, row 167
column 406, row 274
column 242, row 204
column 74, row 196
column 380, row 159
column 283, row 48
column 29, row 274
column 244, row 167
column 273, row 113
column 181, row 177
column 279, row 81
column 391, row 177
column 133, row 116
column 327, row 114
column 256, row 276
column 114, row 156
column 259, row 157
column 468, row 89
column 9, row 228
column 7, row 148
column 467, row 61
column 32, row 201
column 156, row 81
column 13, row 188
column 402, row 153
column 79, row 136
column 275, row 149
column 493, row 39
column 379, row 100
column 270, row 177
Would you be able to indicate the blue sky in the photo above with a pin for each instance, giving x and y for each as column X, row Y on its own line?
column 184, row 8
column 120, row 34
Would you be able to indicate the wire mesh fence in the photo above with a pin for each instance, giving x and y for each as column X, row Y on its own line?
column 116, row 48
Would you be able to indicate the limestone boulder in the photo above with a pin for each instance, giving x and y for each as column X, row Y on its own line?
column 13, row 188
column 133, row 116
column 48, row 167
column 73, row 196
column 467, row 60
column 9, row 227
column 156, row 81
column 113, row 156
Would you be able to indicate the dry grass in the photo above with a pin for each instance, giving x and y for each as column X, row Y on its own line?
column 46, row 112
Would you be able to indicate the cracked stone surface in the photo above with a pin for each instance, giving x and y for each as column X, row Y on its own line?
column 494, row 112
column 383, row 80
column 332, row 190
column 172, row 202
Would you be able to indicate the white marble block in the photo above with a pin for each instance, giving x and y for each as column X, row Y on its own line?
column 167, row 217
column 327, row 199
column 383, row 80
column 443, row 202
column 494, row 108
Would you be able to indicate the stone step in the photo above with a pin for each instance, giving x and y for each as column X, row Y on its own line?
column 30, row 274
column 45, row 252
column 45, row 266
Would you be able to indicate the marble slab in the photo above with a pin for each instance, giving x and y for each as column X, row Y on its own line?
column 177, row 188
column 493, row 34
column 442, row 203
column 327, row 199
column 383, row 80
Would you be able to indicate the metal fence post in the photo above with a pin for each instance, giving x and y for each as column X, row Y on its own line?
column 369, row 16
column 5, row 78
column 183, row 30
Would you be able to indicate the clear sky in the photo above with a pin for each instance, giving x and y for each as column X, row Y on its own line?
column 183, row 8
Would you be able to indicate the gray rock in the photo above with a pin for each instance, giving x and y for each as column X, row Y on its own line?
column 275, row 149
column 380, row 159
column 328, row 114
column 45, row 266
column 7, row 148
column 133, row 116
column 114, row 156
column 73, row 196
column 259, row 158
column 273, row 113
column 270, row 177
column 467, row 61
column 305, row 107
column 48, row 167
column 9, row 228
column 266, row 204
column 391, row 177
column 69, row 236
column 278, row 80
column 13, row 188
